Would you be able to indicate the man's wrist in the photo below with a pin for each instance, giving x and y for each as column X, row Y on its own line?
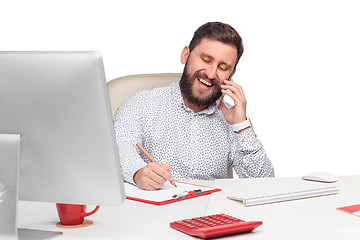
column 237, row 127
column 135, row 175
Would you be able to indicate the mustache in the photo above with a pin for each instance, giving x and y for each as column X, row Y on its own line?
column 215, row 81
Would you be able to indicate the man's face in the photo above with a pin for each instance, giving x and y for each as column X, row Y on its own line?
column 206, row 68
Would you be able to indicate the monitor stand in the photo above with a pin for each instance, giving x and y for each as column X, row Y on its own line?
column 9, row 189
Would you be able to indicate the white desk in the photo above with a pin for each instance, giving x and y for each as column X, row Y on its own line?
column 315, row 218
column 312, row 218
column 131, row 220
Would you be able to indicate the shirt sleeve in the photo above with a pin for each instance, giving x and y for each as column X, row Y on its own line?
column 128, row 132
column 249, row 157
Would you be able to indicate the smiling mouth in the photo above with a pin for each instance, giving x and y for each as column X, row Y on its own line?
column 209, row 84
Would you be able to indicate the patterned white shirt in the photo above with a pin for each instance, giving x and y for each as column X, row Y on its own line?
column 196, row 145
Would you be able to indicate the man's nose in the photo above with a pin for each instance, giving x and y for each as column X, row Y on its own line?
column 211, row 72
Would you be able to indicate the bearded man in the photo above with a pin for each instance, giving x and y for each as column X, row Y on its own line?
column 185, row 127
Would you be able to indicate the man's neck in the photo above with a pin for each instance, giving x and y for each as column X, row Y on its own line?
column 192, row 106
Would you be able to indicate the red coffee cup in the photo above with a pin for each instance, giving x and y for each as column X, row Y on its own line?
column 72, row 214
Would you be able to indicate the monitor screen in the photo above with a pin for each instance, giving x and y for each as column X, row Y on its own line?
column 58, row 103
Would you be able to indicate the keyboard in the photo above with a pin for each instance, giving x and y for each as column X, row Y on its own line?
column 286, row 194
column 214, row 226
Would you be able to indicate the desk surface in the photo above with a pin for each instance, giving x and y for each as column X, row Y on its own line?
column 130, row 220
column 314, row 218
column 311, row 218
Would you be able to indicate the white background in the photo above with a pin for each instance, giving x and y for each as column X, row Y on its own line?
column 300, row 69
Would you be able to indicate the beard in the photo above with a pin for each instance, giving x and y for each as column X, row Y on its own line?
column 186, row 87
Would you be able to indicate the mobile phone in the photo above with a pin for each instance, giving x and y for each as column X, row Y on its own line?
column 223, row 95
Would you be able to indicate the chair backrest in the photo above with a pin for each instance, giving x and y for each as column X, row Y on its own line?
column 122, row 88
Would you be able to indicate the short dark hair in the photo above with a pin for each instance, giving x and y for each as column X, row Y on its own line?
column 221, row 32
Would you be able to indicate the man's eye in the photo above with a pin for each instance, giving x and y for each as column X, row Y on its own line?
column 223, row 68
column 206, row 60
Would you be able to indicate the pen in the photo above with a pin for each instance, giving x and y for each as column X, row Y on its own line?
column 152, row 160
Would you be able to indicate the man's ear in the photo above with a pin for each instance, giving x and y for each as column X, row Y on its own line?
column 185, row 54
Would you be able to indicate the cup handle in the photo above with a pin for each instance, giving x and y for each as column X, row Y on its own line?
column 85, row 214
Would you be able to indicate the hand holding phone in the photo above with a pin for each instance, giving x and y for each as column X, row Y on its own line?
column 237, row 112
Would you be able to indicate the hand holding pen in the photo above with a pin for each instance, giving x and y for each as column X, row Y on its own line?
column 154, row 175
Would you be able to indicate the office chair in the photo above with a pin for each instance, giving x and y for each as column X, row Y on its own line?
column 122, row 88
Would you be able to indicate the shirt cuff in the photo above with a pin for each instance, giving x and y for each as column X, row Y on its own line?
column 248, row 140
column 136, row 165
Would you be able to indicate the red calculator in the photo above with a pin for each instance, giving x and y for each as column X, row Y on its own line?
column 214, row 226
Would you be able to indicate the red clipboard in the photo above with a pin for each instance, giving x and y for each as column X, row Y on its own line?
column 353, row 209
column 169, row 194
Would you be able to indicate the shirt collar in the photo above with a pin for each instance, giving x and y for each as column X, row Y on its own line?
column 180, row 101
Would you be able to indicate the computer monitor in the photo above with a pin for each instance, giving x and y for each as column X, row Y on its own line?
column 58, row 105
